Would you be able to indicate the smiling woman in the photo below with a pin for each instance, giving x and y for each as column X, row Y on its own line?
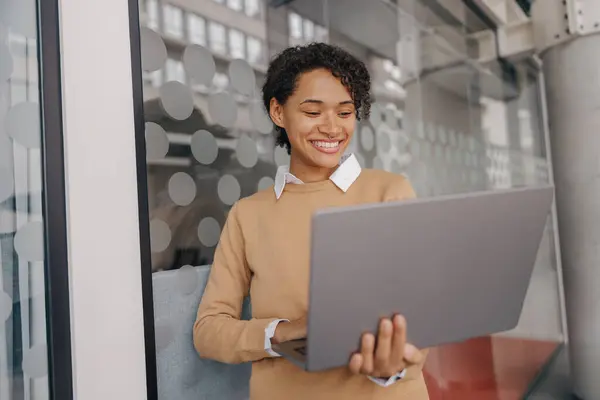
column 314, row 95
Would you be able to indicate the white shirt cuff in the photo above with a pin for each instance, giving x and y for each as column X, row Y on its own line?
column 269, row 333
column 390, row 381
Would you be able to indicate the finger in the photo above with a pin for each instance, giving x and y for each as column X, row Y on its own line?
column 412, row 355
column 384, row 343
column 399, row 339
column 367, row 349
column 356, row 363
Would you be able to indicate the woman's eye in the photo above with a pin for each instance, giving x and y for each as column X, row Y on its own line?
column 345, row 114
column 312, row 113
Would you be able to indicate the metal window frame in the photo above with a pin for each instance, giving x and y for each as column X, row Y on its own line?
column 143, row 206
column 56, row 265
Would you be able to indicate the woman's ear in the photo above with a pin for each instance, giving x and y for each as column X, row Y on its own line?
column 276, row 113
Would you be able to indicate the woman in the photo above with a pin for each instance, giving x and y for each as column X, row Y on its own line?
column 314, row 95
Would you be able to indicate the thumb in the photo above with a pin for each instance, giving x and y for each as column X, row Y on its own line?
column 412, row 355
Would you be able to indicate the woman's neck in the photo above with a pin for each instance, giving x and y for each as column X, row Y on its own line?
column 307, row 173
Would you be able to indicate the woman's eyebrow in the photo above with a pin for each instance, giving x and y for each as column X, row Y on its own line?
column 315, row 101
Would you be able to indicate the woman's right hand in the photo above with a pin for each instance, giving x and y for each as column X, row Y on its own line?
column 287, row 331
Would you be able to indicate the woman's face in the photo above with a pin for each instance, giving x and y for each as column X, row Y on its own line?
column 319, row 118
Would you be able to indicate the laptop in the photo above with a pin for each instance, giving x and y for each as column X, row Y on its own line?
column 457, row 267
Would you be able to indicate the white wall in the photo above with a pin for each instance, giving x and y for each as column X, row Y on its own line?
column 105, row 270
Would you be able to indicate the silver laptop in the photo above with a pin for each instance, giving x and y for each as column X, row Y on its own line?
column 457, row 267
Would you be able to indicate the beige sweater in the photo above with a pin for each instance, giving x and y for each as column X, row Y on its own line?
column 264, row 252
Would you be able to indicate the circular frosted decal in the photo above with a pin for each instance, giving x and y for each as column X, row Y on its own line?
column 6, row 183
column 367, row 138
column 223, row 109
column 29, row 241
column 246, row 152
column 378, row 163
column 23, row 124
column 5, row 306
column 229, row 189
column 259, row 117
column 209, row 231
column 182, row 189
column 376, row 116
column 204, row 147
column 35, row 361
column 384, row 143
column 242, row 77
column 265, row 183
column 157, row 143
column 154, row 51
column 187, row 280
column 199, row 64
column 396, row 167
column 160, row 235
column 390, row 118
column 281, row 156
column 360, row 159
column 402, row 143
column 176, row 100
column 6, row 63
column 164, row 335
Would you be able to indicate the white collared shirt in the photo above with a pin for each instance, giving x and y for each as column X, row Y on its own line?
column 343, row 177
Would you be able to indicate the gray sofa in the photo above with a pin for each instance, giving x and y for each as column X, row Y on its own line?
column 182, row 374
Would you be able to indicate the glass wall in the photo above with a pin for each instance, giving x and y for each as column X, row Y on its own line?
column 450, row 120
column 23, row 349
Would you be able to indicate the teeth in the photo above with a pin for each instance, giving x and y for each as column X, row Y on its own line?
column 327, row 145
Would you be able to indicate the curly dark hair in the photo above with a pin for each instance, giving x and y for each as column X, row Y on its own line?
column 285, row 69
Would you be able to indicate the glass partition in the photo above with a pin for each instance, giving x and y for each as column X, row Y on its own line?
column 23, row 344
column 449, row 121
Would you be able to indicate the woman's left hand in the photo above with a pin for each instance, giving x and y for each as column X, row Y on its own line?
column 387, row 356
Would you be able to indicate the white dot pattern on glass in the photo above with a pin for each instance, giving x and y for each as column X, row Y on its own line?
column 182, row 189
column 160, row 235
column 35, row 361
column 29, row 242
column 396, row 167
column 367, row 138
column 265, row 183
column 378, row 163
column 7, row 185
column 360, row 159
column 259, row 118
column 246, row 152
column 281, row 156
column 204, row 147
column 5, row 306
column 223, row 109
column 164, row 335
column 199, row 64
column 187, row 280
column 176, row 100
column 157, row 143
column 384, row 143
column 23, row 124
column 229, row 189
column 209, row 232
column 6, row 63
column 241, row 76
column 153, row 49
column 390, row 118
column 376, row 116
